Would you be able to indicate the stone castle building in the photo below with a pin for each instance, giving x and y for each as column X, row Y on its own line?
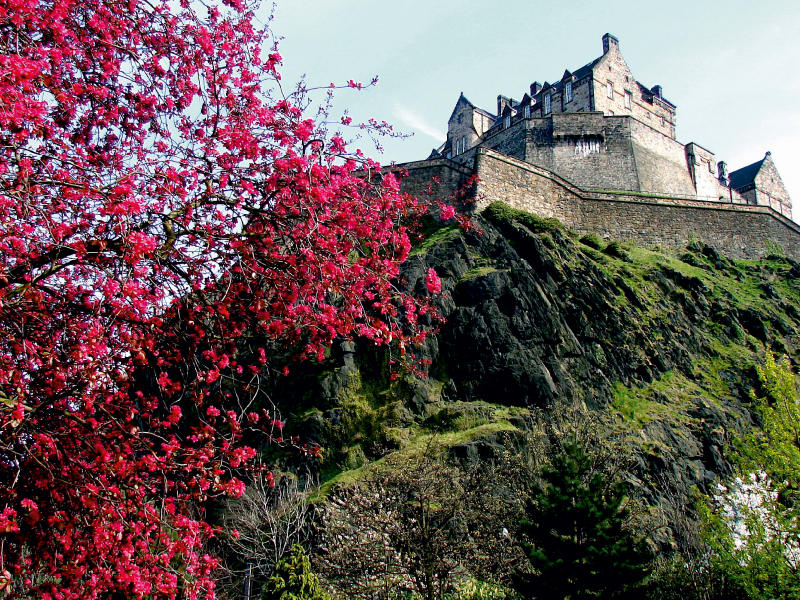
column 598, row 134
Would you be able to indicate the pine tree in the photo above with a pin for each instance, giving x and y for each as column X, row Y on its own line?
column 575, row 539
column 293, row 579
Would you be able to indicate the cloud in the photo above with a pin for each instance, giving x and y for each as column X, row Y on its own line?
column 417, row 123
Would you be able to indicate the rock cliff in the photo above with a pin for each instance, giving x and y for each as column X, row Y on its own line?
column 662, row 342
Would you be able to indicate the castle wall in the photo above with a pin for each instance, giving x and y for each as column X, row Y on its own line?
column 420, row 175
column 592, row 151
column 510, row 141
column 735, row 232
column 660, row 161
column 597, row 152
column 739, row 231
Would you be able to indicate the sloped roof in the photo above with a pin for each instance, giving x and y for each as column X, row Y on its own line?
column 746, row 175
column 559, row 85
column 476, row 108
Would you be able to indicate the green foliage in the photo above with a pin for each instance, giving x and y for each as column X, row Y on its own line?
column 679, row 577
column 500, row 212
column 751, row 527
column 619, row 250
column 433, row 233
column 747, row 549
column 293, row 579
column 481, row 590
column 459, row 417
column 593, row 241
column 776, row 451
column 577, row 544
column 476, row 272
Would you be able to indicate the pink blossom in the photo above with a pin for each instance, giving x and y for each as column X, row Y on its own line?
column 448, row 212
column 432, row 282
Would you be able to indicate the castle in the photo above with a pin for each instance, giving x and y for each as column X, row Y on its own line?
column 597, row 149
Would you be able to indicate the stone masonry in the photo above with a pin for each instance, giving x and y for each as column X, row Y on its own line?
column 738, row 230
column 597, row 150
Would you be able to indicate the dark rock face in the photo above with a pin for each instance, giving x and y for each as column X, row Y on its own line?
column 534, row 318
column 541, row 323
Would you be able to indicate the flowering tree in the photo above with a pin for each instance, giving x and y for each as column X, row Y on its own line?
column 165, row 212
column 752, row 525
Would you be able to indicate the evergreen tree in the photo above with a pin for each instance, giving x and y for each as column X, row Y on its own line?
column 575, row 539
column 293, row 579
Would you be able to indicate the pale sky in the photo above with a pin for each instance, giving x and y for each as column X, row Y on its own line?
column 730, row 67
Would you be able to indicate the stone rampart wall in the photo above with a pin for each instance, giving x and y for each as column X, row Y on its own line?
column 739, row 231
column 419, row 177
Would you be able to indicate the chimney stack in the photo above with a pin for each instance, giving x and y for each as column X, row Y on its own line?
column 609, row 42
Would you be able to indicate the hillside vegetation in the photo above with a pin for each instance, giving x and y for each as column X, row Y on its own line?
column 646, row 354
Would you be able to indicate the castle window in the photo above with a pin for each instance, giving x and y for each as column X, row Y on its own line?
column 508, row 122
column 463, row 144
column 627, row 100
column 547, row 104
column 568, row 91
column 610, row 90
column 527, row 112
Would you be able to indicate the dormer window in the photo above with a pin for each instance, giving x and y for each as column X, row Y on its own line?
column 508, row 122
column 547, row 104
column 568, row 91
column 610, row 90
column 628, row 100
column 527, row 112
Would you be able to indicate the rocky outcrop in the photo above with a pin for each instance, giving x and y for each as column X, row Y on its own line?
column 536, row 317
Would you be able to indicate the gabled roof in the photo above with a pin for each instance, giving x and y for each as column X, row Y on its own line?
column 746, row 175
column 476, row 108
column 559, row 85
column 586, row 69
column 460, row 98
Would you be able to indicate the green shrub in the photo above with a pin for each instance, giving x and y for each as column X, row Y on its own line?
column 293, row 579
column 575, row 536
column 618, row 250
column 500, row 212
column 593, row 241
